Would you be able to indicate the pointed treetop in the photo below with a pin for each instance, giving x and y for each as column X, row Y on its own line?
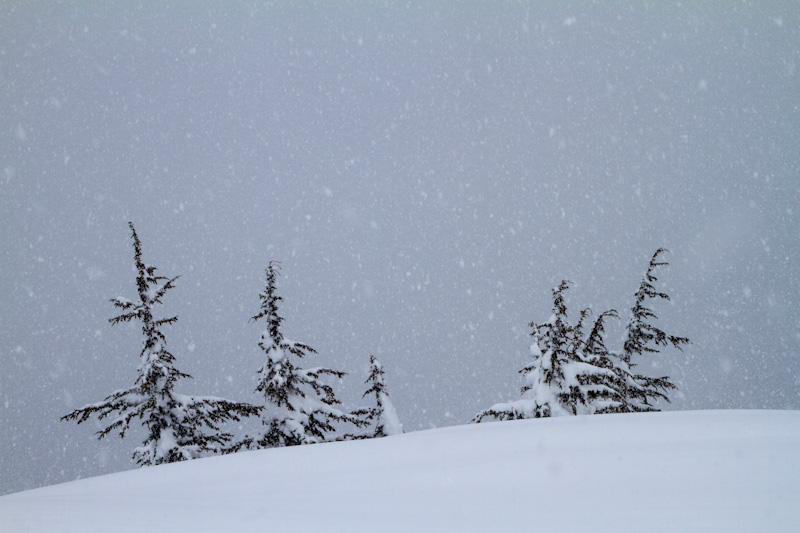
column 269, row 300
column 640, row 336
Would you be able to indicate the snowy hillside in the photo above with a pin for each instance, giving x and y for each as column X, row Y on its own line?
column 676, row 471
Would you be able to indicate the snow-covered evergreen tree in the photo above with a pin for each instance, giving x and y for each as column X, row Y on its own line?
column 179, row 427
column 561, row 378
column 639, row 392
column 546, row 378
column 382, row 417
column 602, row 386
column 299, row 405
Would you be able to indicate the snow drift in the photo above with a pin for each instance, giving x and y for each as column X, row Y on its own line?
column 675, row 471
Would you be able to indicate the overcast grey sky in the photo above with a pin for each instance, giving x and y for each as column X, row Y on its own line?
column 424, row 173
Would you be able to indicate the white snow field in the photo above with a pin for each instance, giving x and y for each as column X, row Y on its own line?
column 677, row 471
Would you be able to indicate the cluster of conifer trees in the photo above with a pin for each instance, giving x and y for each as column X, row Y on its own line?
column 571, row 372
column 299, row 407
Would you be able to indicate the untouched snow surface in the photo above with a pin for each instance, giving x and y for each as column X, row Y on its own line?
column 675, row 471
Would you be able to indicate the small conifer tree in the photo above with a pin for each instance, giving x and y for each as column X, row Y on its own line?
column 300, row 407
column 382, row 417
column 552, row 350
column 179, row 427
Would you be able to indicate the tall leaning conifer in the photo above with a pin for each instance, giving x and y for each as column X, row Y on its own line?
column 642, row 337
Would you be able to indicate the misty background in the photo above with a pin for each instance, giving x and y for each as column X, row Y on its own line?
column 424, row 173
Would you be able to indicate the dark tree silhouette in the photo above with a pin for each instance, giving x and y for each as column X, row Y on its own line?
column 642, row 337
